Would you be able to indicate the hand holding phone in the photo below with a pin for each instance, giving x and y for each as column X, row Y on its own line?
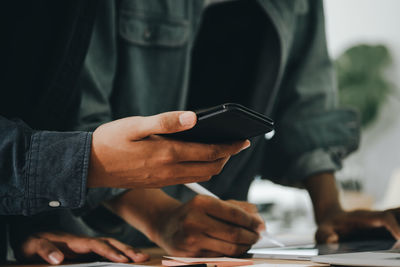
column 226, row 123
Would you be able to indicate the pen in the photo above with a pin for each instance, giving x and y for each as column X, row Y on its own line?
column 195, row 187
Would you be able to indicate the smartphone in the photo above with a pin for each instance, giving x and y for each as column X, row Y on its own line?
column 226, row 123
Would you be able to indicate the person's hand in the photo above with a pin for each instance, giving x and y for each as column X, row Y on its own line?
column 339, row 224
column 128, row 153
column 206, row 226
column 54, row 248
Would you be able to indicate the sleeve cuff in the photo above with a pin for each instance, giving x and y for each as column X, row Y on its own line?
column 311, row 163
column 57, row 170
column 95, row 197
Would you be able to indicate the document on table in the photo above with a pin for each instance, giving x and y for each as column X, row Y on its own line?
column 287, row 240
column 102, row 264
column 219, row 262
column 286, row 265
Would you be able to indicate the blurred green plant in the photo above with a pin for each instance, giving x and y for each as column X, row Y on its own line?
column 362, row 82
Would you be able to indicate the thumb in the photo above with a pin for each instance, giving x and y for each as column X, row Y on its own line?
column 164, row 123
column 326, row 234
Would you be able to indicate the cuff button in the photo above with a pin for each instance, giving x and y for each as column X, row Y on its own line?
column 54, row 204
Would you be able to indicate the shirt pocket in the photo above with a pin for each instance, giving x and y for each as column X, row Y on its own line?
column 153, row 31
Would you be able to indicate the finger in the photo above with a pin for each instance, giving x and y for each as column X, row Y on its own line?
column 185, row 151
column 228, row 232
column 170, row 122
column 326, row 235
column 230, row 213
column 46, row 250
column 105, row 250
column 252, row 209
column 194, row 169
column 215, row 246
column 134, row 254
column 391, row 224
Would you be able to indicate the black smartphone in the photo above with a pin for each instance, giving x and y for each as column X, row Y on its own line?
column 226, row 123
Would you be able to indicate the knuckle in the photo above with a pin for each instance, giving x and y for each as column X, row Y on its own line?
column 41, row 244
column 163, row 123
column 167, row 155
column 94, row 241
column 252, row 207
column 234, row 213
column 167, row 172
column 233, row 250
column 200, row 200
column 217, row 168
column 190, row 241
column 213, row 154
column 234, row 235
column 171, row 153
column 188, row 226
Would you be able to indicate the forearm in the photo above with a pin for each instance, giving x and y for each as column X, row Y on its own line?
column 143, row 208
column 324, row 194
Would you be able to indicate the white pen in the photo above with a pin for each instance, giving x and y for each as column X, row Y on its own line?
column 195, row 187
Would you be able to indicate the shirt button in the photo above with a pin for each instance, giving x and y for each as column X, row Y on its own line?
column 147, row 34
column 54, row 204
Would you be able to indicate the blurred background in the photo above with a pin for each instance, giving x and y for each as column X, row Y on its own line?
column 364, row 42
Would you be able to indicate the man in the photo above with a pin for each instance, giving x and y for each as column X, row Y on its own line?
column 45, row 167
column 268, row 55
column 127, row 71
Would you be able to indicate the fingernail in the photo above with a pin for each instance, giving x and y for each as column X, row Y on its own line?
column 261, row 228
column 55, row 257
column 332, row 239
column 247, row 145
column 187, row 119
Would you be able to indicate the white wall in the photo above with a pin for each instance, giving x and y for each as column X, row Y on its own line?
column 349, row 22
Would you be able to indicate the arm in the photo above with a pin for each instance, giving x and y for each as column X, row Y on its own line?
column 44, row 170
column 204, row 226
column 38, row 167
column 313, row 134
column 333, row 222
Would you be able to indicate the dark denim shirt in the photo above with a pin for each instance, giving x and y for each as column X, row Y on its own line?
column 41, row 170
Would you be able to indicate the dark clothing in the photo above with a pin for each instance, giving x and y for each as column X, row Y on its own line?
column 147, row 57
column 43, row 45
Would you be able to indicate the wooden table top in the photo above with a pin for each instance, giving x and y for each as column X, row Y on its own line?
column 157, row 254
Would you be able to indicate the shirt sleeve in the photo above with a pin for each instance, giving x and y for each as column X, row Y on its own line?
column 41, row 170
column 313, row 134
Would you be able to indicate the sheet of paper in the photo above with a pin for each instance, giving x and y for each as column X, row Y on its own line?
column 101, row 264
column 205, row 260
column 288, row 240
column 282, row 264
column 218, row 262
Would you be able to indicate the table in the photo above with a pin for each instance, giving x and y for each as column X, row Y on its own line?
column 157, row 253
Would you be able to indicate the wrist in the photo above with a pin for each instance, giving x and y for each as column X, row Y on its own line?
column 145, row 209
column 159, row 222
column 324, row 195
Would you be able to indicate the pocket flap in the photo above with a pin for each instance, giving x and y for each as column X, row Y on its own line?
column 149, row 31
